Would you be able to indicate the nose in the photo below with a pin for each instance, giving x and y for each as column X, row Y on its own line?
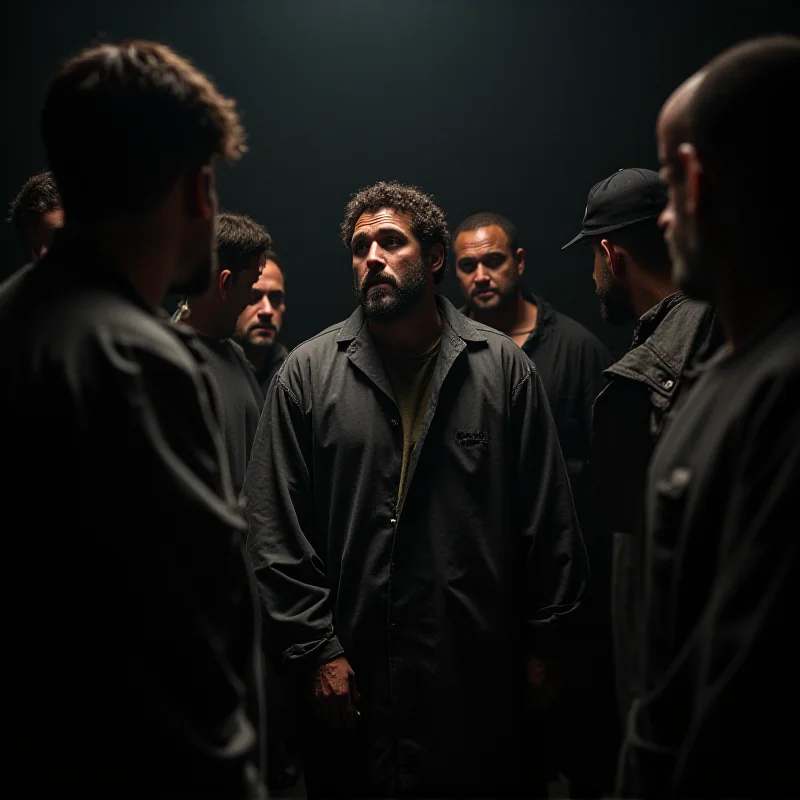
column 265, row 309
column 481, row 274
column 666, row 216
column 375, row 260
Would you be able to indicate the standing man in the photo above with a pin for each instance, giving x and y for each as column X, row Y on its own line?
column 36, row 213
column 632, row 274
column 412, row 527
column 241, row 253
column 260, row 323
column 570, row 360
column 717, row 717
column 131, row 624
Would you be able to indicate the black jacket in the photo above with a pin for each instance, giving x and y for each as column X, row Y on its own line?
column 131, row 620
column 433, row 600
column 628, row 419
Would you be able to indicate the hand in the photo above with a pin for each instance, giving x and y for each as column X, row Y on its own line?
column 334, row 693
column 543, row 683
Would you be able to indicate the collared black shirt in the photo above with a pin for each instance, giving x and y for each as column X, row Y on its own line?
column 130, row 624
column 435, row 599
column 570, row 361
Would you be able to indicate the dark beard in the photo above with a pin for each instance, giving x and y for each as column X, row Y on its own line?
column 388, row 303
column 615, row 304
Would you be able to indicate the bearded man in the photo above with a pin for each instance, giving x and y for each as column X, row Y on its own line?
column 412, row 528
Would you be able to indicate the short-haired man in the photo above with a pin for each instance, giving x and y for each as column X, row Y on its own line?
column 720, row 700
column 36, row 213
column 242, row 245
column 632, row 275
column 570, row 360
column 260, row 323
column 412, row 527
column 133, row 632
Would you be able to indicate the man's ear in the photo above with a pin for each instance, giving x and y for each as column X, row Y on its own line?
column 224, row 283
column 201, row 197
column 615, row 258
column 519, row 256
column 693, row 170
column 436, row 257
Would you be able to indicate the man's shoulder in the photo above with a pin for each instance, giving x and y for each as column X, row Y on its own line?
column 83, row 325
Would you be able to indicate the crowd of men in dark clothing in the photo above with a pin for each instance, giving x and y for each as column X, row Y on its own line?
column 430, row 552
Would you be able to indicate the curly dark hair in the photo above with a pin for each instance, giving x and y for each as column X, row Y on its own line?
column 39, row 194
column 428, row 223
column 121, row 122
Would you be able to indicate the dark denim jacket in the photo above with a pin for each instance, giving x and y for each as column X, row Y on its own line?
column 628, row 419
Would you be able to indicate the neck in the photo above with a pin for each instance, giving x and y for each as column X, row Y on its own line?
column 743, row 309
column 138, row 253
column 414, row 334
column 258, row 356
column 649, row 292
column 512, row 318
column 206, row 319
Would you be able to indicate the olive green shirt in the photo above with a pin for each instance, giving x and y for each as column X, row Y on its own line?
column 411, row 382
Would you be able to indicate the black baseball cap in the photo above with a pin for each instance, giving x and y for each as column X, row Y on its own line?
column 624, row 198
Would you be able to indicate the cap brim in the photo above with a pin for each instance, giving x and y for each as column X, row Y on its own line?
column 571, row 242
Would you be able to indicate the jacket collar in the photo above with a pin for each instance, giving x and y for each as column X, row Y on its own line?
column 454, row 323
column 666, row 339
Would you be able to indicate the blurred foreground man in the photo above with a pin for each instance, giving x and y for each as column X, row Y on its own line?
column 718, row 714
column 36, row 214
column 132, row 625
column 241, row 253
column 412, row 528
column 260, row 323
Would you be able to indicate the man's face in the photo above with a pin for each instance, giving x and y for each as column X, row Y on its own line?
column 260, row 322
column 616, row 307
column 390, row 275
column 486, row 268
column 40, row 235
column 691, row 271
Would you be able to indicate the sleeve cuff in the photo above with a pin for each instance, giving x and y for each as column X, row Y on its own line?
column 312, row 654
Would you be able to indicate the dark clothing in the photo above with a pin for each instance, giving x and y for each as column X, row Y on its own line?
column 241, row 401
column 435, row 599
column 276, row 357
column 718, row 717
column 628, row 420
column 570, row 361
column 132, row 622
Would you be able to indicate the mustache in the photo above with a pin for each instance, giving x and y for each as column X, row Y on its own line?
column 374, row 280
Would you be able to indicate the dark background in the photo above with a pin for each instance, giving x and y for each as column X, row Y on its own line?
column 516, row 107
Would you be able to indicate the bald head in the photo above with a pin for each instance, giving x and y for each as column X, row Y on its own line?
column 673, row 125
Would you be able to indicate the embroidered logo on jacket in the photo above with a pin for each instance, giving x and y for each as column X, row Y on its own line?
column 472, row 438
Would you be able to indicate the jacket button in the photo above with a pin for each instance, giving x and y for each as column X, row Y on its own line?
column 669, row 384
column 395, row 423
column 393, row 521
